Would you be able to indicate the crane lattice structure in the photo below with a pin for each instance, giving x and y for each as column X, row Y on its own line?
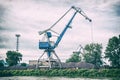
column 49, row 47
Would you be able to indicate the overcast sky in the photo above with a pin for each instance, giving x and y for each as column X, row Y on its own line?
column 27, row 17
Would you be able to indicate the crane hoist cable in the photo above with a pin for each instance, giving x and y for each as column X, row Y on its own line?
column 92, row 36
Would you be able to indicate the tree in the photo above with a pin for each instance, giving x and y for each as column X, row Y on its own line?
column 74, row 58
column 1, row 63
column 13, row 58
column 93, row 54
column 112, row 52
column 23, row 64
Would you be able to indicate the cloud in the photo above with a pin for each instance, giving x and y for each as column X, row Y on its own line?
column 2, row 11
column 29, row 17
column 116, row 7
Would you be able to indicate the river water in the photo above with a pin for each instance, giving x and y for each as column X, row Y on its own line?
column 51, row 78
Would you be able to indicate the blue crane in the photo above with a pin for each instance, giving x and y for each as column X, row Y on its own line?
column 48, row 47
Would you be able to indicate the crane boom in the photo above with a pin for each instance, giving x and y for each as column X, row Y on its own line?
column 77, row 10
column 65, row 29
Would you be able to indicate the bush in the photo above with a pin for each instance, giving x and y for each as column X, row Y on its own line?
column 63, row 72
column 23, row 64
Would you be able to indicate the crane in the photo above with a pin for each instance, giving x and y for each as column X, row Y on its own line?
column 48, row 47
column 80, row 51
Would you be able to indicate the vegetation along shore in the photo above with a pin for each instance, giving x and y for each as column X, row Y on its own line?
column 63, row 72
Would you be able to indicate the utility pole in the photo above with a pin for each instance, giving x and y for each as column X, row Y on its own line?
column 17, row 43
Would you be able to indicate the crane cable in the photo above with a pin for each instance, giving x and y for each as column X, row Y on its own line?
column 59, row 19
column 92, row 36
column 92, row 39
column 41, row 32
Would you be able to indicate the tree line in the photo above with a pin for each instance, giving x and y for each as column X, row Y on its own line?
column 92, row 54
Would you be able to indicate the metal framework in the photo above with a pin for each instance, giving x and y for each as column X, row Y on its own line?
column 17, row 43
column 49, row 48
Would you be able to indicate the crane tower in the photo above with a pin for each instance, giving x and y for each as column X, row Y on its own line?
column 49, row 46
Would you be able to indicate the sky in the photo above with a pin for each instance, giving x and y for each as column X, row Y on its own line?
column 28, row 17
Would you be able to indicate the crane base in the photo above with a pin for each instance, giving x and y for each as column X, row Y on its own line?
column 49, row 62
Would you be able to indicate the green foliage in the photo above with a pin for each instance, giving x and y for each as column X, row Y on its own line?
column 112, row 51
column 5, row 73
column 63, row 72
column 93, row 54
column 1, row 64
column 23, row 64
column 13, row 58
column 74, row 58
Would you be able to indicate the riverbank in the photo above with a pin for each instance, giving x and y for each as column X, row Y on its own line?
column 63, row 72
column 51, row 78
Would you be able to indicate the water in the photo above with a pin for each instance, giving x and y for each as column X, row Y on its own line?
column 51, row 78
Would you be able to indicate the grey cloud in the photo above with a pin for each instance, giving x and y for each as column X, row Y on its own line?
column 3, row 42
column 117, row 9
column 59, row 3
column 30, row 16
column 5, row 30
column 2, row 46
column 21, row 21
column 3, row 39
column 2, row 11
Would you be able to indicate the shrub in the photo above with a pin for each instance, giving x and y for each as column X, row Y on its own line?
column 63, row 72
